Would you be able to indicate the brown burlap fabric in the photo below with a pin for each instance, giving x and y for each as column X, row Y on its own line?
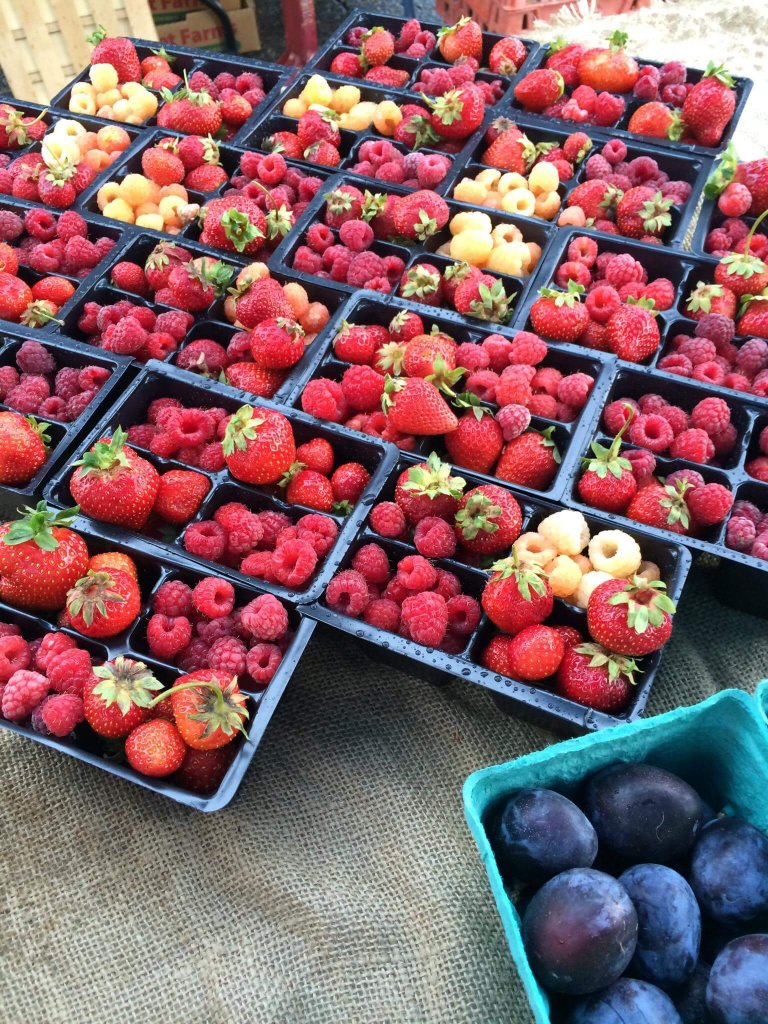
column 341, row 885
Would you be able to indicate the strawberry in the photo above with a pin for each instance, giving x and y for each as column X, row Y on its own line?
column 656, row 120
column 258, row 445
column 162, row 166
column 507, row 56
column 235, row 109
column 609, row 69
column 359, row 343
column 348, row 482
column 539, row 89
column 464, row 39
column 17, row 131
column 632, row 333
column 754, row 319
column 709, row 106
column 477, row 441
column 483, row 296
column 753, row 174
column 118, row 697
column 103, row 603
column 15, row 296
column 597, row 678
column 565, row 59
column 420, row 215
column 632, row 616
column 197, row 284
column 324, row 154
column 511, row 151
column 119, row 52
column 23, row 448
column 342, row 204
column 432, row 356
column 415, row 406
column 405, row 325
column 235, row 223
column 489, row 519
column 155, row 748
column 254, row 379
column 661, row 506
column 115, row 485
column 517, row 595
column 710, row 298
column 262, row 300
column 286, row 143
column 318, row 126
column 608, row 482
column 741, row 272
column 454, row 275
column 40, row 559
column 194, row 113
column 535, row 653
column 307, row 487
column 180, row 494
column 422, row 283
column 206, row 178
column 161, row 261
column 560, row 315
column 208, row 708
column 202, row 771
column 457, row 113
column 530, row 460
column 643, row 211
column 377, row 47
column 277, row 343
column 429, row 489
column 594, row 197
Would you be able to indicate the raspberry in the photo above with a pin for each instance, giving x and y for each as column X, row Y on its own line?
column 709, row 504
column 51, row 645
column 33, row 358
column 211, row 630
column 546, row 406
column 748, row 510
column 463, row 614
column 383, row 613
column 711, row 372
column 212, row 457
column 262, row 661
column 293, row 562
column 205, row 539
column 387, row 519
column 416, row 573
column 434, row 538
column 632, row 290
column 602, row 302
column 623, row 269
column 762, row 441
column 737, row 382
column 168, row 637
column 228, row 654
column 258, row 564
column 319, row 237
column 725, row 441
column 362, row 388
column 366, row 267
column 527, row 348
column 514, row 420
column 347, row 593
column 58, row 714
column 25, row 399
column 676, row 417
column 760, row 547
column 243, row 536
column 9, row 379
column 511, row 389
column 597, row 166
column 574, row 389
column 69, row 670
column 173, row 598
column 14, row 655
column 758, row 468
column 643, row 463
column 752, row 357
column 425, row 618
column 712, row 415
column 688, row 476
column 693, row 444
column 716, row 327
column 40, row 224
column 22, row 693
column 264, row 618
column 483, row 383
column 698, row 350
column 651, row 431
column 572, row 270
column 661, row 291
column 372, row 563
column 357, row 235
column 319, row 531
column 11, row 225
column 324, row 398
column 608, row 108
column 272, row 523
column 213, row 597
column 740, row 533
column 677, row 363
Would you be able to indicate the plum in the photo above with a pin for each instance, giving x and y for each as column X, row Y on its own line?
column 540, row 833
column 690, row 1000
column 627, row 1001
column 729, row 871
column 668, row 924
column 737, row 992
column 643, row 814
column 580, row 931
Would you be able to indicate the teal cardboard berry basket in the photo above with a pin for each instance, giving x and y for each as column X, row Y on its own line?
column 719, row 746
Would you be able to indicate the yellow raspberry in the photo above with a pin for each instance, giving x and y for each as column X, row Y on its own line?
column 472, row 246
column 387, row 117
column 511, row 180
column 82, row 104
column 103, row 77
column 136, row 189
column 469, row 191
column 615, row 552
column 547, row 205
column 294, row 107
column 520, row 201
column 564, row 575
column 317, row 90
column 109, row 190
column 648, row 571
column 543, row 177
column 359, row 117
column 532, row 547
column 470, row 220
column 510, row 258
column 589, row 581
column 506, row 233
column 489, row 177
column 118, row 209
column 566, row 530
column 344, row 98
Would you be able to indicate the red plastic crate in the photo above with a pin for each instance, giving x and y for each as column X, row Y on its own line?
column 511, row 17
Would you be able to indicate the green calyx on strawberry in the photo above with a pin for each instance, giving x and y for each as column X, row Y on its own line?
column 423, row 132
column 609, row 460
column 17, row 129
column 700, row 300
column 105, row 455
column 616, row 665
column 569, row 298
column 434, row 478
column 279, row 222
column 477, row 516
column 39, row 313
column 548, row 441
column 41, row 428
column 443, row 377
column 492, row 302
column 557, row 44
column 421, row 282
column 163, row 54
column 239, row 229
column 530, row 578
column 618, row 40
column 719, row 72
column 390, row 357
column 449, row 107
column 744, row 264
column 125, row 682
column 160, row 256
column 290, row 473
column 90, row 595
column 36, row 524
column 200, row 98
column 243, row 427
column 644, row 303
column 655, row 214
column 373, row 203
column 469, row 400
column 219, row 708
column 212, row 273
column 425, row 226
column 449, row 30
column 723, row 172
column 676, row 504
column 647, row 603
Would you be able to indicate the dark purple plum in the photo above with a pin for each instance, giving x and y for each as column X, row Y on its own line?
column 690, row 1000
column 729, row 871
column 737, row 992
column 540, row 833
column 580, row 931
column 668, row 924
column 643, row 814
column 627, row 1001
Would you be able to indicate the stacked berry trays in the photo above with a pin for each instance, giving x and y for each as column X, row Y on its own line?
column 160, row 381
column 86, row 745
column 534, row 702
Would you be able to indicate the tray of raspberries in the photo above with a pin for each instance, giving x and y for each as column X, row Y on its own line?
column 669, row 103
column 265, row 494
column 506, row 407
column 49, row 392
column 148, row 669
column 475, row 580
column 736, row 193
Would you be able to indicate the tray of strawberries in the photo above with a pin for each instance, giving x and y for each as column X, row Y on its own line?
column 127, row 661
column 452, row 576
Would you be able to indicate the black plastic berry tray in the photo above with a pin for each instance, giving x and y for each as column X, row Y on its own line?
column 162, row 381
column 189, row 59
column 689, row 167
column 64, row 436
column 365, row 308
column 743, row 87
column 711, row 217
column 86, row 745
column 535, row 703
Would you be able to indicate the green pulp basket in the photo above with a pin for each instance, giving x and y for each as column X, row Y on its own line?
column 719, row 746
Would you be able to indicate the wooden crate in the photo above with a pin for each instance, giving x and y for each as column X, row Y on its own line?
column 44, row 41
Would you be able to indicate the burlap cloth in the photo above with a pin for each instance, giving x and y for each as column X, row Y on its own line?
column 341, row 885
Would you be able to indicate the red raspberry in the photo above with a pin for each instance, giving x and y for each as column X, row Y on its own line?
column 347, row 593
column 357, row 235
column 425, row 618
column 661, row 291
column 514, row 420
column 69, row 670
column 688, row 476
column 583, row 249
column 372, row 563
column 228, row 654
column 677, row 363
column 643, row 464
column 694, row 445
column 602, row 302
column 736, row 382
column 211, row 630
column 51, row 645
column 758, row 468
column 264, row 618
column 651, row 431
column 448, row 584
column 434, row 538
column 319, row 531
column 383, row 613
column 463, row 614
column 40, row 224
column 262, row 662
column 574, row 389
column 22, row 693
column 483, row 383
column 548, row 407
column 320, row 237
column 762, row 441
column 213, row 597
column 608, row 108
column 623, row 269
column 293, row 562
column 547, row 379
column 272, row 523
column 258, row 564
column 416, row 573
column 58, row 714
column 205, row 539
column 527, row 348
column 34, row 359
column 387, row 519
column 14, row 655
column 725, row 441
column 709, row 504
column 676, row 417
column 366, row 267
column 652, row 403
column 572, row 270
column 712, row 415
column 325, row 399
column 740, row 533
column 173, row 598
column 244, row 536
column 362, row 388
column 168, row 637
column 9, row 379
column 698, row 350
column 710, row 372
column 752, row 357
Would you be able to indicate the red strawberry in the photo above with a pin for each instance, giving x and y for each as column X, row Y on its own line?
column 286, row 143
column 377, row 47
column 530, row 460
column 202, row 771
column 40, row 559
column 753, row 174
column 415, row 406
column 119, row 52
column 194, row 113
column 660, row 506
column 254, row 379
column 420, row 215
column 464, row 39
column 115, row 485
column 206, row 178
column 507, row 56
column 211, row 713
column 710, row 298
column 477, row 441
column 608, row 482
column 23, row 448
column 741, row 272
column 656, row 120
column 489, row 519
column 428, row 489
column 235, row 223
column 197, row 284
column 118, row 697
column 422, row 283
column 258, row 445
column 162, row 166
column 597, row 678
column 432, row 356
column 609, row 69
column 643, row 211
column 560, row 315
column 631, row 617
column 511, row 151
column 342, row 204
column 754, row 319
column 277, row 343
column 15, row 296
column 458, row 113
column 709, row 106
column 594, row 197
column 262, row 300
column 348, row 482
column 161, row 261
column 180, row 494
column 535, row 653
column 307, row 487
column 359, row 343
column 517, row 595
column 318, row 126
column 632, row 333
column 324, row 154
column 235, row 109
column 155, row 748
column 103, row 603
column 539, row 89
column 482, row 296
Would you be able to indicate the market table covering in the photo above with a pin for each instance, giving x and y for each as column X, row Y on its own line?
column 342, row 883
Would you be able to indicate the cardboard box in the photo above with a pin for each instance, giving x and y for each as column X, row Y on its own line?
column 182, row 23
